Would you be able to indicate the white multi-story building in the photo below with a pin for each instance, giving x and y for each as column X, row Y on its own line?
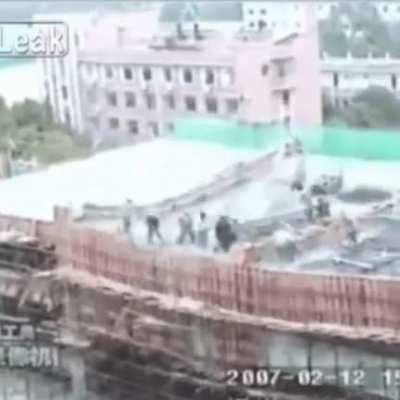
column 343, row 78
column 60, row 75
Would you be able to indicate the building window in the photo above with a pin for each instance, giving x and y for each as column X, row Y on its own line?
column 281, row 70
column 170, row 127
column 190, row 103
column 114, row 123
column 298, row 24
column 211, row 105
column 128, row 74
column 64, row 92
column 251, row 24
column 170, row 101
column 398, row 9
column 394, row 81
column 232, row 106
column 263, row 11
column 109, row 72
column 153, row 127
column 286, row 98
column 366, row 76
column 187, row 75
column 133, row 127
column 385, row 9
column 168, row 74
column 210, row 77
column 112, row 99
column 251, row 11
column 147, row 75
column 130, row 99
column 150, row 101
column 335, row 80
column 261, row 25
column 264, row 70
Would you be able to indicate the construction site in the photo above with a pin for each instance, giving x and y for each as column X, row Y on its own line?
column 296, row 293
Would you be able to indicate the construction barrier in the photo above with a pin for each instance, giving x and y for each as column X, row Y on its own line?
column 352, row 301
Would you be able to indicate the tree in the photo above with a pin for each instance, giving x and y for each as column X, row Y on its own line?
column 26, row 131
column 367, row 33
column 30, row 112
column 48, row 146
column 375, row 107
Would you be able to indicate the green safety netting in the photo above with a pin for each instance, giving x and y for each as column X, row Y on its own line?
column 331, row 141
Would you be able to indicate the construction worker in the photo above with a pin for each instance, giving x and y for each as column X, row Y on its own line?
column 153, row 228
column 309, row 209
column 203, row 230
column 186, row 229
column 323, row 208
column 127, row 216
column 351, row 231
column 224, row 234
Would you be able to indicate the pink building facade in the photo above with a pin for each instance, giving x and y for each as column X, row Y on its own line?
column 136, row 86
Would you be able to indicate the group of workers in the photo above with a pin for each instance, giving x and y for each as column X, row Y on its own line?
column 315, row 210
column 188, row 232
column 322, row 209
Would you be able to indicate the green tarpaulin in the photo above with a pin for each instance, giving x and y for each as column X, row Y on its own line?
column 330, row 141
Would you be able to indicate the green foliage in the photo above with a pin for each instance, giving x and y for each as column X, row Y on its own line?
column 373, row 108
column 369, row 34
column 26, row 131
column 29, row 112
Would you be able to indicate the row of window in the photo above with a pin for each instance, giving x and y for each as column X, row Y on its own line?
column 147, row 74
column 335, row 76
column 191, row 103
column 133, row 126
column 264, row 24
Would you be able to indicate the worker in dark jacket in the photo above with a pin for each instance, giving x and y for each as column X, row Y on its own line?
column 153, row 228
column 224, row 234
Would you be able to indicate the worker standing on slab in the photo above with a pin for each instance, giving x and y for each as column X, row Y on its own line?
column 309, row 209
column 224, row 234
column 350, row 228
column 186, row 229
column 127, row 214
column 323, row 208
column 203, row 230
column 153, row 228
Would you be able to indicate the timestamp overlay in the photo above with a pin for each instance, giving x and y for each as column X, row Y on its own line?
column 369, row 378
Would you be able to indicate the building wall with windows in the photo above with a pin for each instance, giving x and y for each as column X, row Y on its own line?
column 136, row 92
column 60, row 75
column 343, row 78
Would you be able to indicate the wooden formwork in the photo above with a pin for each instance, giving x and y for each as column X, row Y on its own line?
column 229, row 283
